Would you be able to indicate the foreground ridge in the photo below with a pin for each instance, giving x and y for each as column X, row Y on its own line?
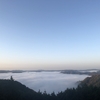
column 13, row 90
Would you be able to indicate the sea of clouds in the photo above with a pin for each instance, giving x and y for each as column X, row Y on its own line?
column 46, row 81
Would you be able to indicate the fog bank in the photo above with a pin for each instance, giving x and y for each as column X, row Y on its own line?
column 45, row 81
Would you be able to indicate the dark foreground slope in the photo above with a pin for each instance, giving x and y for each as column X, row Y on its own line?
column 13, row 90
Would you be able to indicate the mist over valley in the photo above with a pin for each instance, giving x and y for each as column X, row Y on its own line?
column 49, row 81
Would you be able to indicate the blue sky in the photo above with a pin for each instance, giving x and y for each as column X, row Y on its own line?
column 49, row 34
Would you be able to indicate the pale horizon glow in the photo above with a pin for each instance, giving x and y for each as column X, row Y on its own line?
column 54, row 34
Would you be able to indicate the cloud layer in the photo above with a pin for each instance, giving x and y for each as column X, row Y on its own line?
column 49, row 81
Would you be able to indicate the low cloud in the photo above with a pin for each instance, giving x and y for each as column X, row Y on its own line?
column 45, row 81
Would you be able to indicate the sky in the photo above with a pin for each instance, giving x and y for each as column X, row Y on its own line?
column 49, row 34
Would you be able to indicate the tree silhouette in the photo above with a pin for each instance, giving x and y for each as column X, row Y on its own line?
column 11, row 78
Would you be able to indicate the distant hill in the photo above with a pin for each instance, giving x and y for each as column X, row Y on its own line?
column 82, row 72
column 94, row 81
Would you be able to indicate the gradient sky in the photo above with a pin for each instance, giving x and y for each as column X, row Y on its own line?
column 49, row 34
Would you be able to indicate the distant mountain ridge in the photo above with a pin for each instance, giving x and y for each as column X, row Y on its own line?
column 80, row 72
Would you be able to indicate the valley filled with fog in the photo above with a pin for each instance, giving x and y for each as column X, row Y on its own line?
column 46, row 81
